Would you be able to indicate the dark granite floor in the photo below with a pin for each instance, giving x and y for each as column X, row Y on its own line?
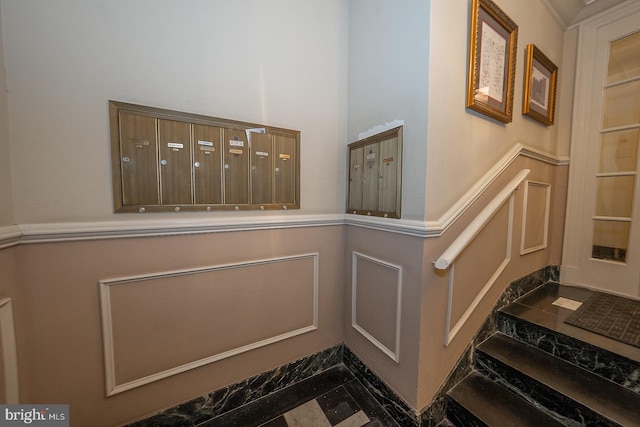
column 332, row 398
column 538, row 307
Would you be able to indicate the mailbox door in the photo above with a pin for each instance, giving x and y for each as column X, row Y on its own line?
column 236, row 167
column 207, row 164
column 370, row 176
column 175, row 162
column 355, row 178
column 388, row 175
column 138, row 160
column 285, row 169
column 261, row 168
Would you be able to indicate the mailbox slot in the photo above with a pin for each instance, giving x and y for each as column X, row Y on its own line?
column 207, row 164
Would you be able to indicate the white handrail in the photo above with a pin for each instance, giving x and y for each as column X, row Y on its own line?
column 472, row 230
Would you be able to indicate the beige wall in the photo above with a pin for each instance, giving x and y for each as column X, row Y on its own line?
column 400, row 55
column 9, row 289
column 282, row 64
column 58, row 314
column 389, row 80
column 379, row 263
column 461, row 140
column 390, row 61
column 566, row 82
column 390, row 252
column 6, row 190
column 476, row 265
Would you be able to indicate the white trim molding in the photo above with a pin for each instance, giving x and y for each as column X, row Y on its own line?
column 479, row 222
column 438, row 227
column 394, row 353
column 10, row 236
column 112, row 387
column 151, row 227
column 9, row 352
column 144, row 225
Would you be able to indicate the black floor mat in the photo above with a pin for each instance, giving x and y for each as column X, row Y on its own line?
column 609, row 315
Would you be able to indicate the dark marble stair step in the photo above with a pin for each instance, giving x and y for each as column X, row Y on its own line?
column 570, row 392
column 536, row 320
column 478, row 401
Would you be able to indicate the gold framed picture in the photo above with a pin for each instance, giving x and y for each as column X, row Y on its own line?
column 493, row 38
column 541, row 79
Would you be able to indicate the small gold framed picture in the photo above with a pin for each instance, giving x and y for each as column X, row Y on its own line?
column 539, row 98
column 493, row 38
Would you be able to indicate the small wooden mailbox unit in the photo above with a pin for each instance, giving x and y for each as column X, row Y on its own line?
column 375, row 175
column 166, row 160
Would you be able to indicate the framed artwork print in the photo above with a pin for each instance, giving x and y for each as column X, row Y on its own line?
column 493, row 38
column 539, row 99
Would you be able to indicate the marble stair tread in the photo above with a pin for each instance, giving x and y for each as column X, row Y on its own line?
column 592, row 391
column 537, row 308
column 494, row 405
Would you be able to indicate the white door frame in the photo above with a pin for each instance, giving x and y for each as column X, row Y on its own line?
column 583, row 155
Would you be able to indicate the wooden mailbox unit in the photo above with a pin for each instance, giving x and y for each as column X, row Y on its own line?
column 375, row 175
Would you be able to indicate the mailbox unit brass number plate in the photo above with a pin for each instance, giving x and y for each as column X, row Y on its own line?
column 166, row 160
column 375, row 175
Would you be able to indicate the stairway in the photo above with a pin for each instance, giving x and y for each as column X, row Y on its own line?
column 539, row 371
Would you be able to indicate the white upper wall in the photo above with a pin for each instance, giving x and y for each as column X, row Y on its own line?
column 464, row 145
column 6, row 191
column 388, row 80
column 408, row 61
column 281, row 63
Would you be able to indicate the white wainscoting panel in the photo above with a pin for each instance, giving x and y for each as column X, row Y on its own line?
column 162, row 324
column 376, row 302
column 450, row 332
column 535, row 216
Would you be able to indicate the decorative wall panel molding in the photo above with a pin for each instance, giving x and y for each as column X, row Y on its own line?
column 9, row 351
column 162, row 324
column 535, row 216
column 451, row 331
column 376, row 302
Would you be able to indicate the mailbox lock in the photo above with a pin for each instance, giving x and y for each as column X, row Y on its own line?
column 125, row 159
column 277, row 169
column 226, row 166
column 177, row 209
column 196, row 164
column 237, row 208
column 208, row 208
column 142, row 210
column 163, row 162
column 284, row 207
column 261, row 208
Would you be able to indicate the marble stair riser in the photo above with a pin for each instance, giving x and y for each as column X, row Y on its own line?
column 557, row 405
column 458, row 415
column 607, row 365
